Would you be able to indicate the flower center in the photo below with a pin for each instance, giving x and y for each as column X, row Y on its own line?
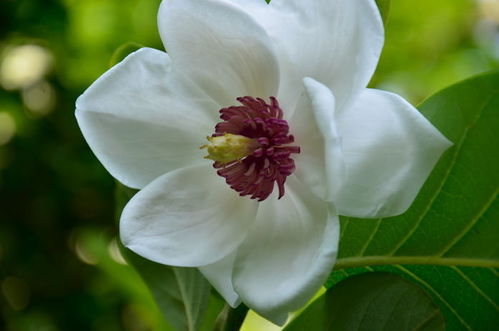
column 250, row 147
column 229, row 147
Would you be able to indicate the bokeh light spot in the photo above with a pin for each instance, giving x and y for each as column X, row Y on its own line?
column 39, row 98
column 114, row 252
column 24, row 65
column 81, row 251
column 16, row 292
column 489, row 9
column 7, row 128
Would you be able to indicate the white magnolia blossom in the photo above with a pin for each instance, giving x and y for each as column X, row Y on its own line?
column 363, row 152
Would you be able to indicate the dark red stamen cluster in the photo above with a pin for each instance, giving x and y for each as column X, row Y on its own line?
column 270, row 162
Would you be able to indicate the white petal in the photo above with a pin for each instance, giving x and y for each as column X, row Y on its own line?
column 288, row 254
column 220, row 47
column 389, row 149
column 320, row 163
column 219, row 274
column 337, row 42
column 188, row 217
column 141, row 121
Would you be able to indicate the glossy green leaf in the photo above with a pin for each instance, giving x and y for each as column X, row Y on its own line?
column 371, row 301
column 467, row 296
column 454, row 218
column 454, row 221
column 182, row 294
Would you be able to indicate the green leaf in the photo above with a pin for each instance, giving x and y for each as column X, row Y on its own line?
column 454, row 218
column 231, row 319
column 384, row 8
column 371, row 301
column 182, row 294
column 454, row 221
column 467, row 296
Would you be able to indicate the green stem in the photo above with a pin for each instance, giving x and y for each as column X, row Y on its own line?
column 231, row 319
column 362, row 261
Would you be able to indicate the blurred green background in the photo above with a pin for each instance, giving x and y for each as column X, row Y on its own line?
column 60, row 268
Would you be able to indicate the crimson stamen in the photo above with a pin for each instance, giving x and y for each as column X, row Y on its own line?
column 270, row 162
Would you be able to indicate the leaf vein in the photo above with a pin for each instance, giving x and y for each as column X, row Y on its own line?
column 436, row 293
column 475, row 287
column 470, row 225
column 370, row 239
column 346, row 221
column 427, row 320
column 444, row 179
column 185, row 301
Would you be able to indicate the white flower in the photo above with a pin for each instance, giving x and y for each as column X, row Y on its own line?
column 364, row 152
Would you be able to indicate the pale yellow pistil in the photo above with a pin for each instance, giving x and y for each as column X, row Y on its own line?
column 229, row 147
